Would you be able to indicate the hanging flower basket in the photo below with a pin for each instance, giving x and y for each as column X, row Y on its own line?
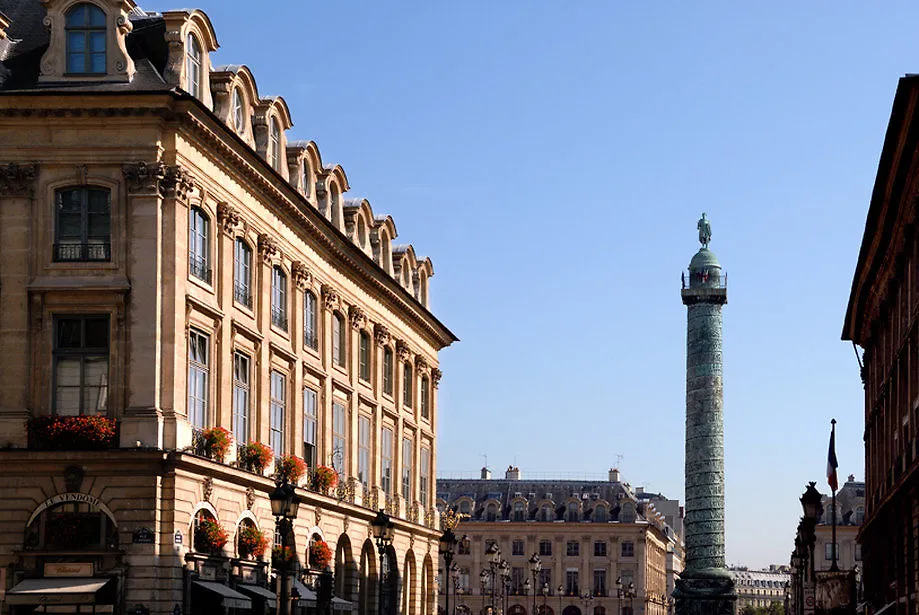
column 290, row 468
column 320, row 554
column 279, row 556
column 72, row 433
column 255, row 456
column 252, row 543
column 215, row 443
column 324, row 478
column 210, row 537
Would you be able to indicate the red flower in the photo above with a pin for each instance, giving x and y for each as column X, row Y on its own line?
column 216, row 442
column 252, row 542
column 85, row 432
column 324, row 478
column 320, row 554
column 290, row 468
column 209, row 535
column 255, row 456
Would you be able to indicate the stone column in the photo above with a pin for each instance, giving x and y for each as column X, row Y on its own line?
column 261, row 297
column 705, row 587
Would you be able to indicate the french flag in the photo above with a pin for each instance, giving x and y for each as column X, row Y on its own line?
column 831, row 463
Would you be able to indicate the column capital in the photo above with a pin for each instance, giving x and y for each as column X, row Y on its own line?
column 18, row 179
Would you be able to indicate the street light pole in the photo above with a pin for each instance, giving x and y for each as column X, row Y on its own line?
column 447, row 542
column 383, row 532
column 535, row 567
column 284, row 507
column 561, row 590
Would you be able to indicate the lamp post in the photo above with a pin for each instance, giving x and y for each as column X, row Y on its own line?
column 284, row 507
column 447, row 543
column 561, row 591
column 810, row 502
column 535, row 567
column 383, row 532
column 545, row 595
column 587, row 597
column 624, row 591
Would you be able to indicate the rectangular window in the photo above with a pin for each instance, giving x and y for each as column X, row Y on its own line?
column 310, row 332
column 199, row 257
column 573, row 548
column 240, row 397
column 462, row 581
column 278, row 411
column 517, row 547
column 81, row 361
column 628, row 549
column 386, row 460
column 407, row 384
column 387, row 371
column 339, row 340
column 83, row 225
column 339, row 451
column 828, row 551
column 571, row 583
column 407, row 469
column 545, row 547
column 364, row 357
column 425, row 396
column 600, row 548
column 310, row 420
column 424, row 476
column 465, row 547
column 517, row 581
column 242, row 273
column 198, row 376
column 278, row 298
column 599, row 582
column 545, row 581
column 858, row 552
column 363, row 450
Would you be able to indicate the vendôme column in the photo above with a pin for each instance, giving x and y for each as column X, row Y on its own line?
column 704, row 587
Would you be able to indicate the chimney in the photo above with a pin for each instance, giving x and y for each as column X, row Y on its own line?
column 851, row 478
column 486, row 474
column 639, row 490
column 512, row 473
column 614, row 475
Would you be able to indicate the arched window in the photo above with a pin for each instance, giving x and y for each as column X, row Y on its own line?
column 250, row 541
column 310, row 332
column 278, row 298
column 464, row 507
column 339, row 343
column 208, row 536
column 72, row 526
column 274, row 145
column 198, row 244
column 600, row 514
column 239, row 111
column 573, row 513
column 305, row 183
column 242, row 273
column 85, row 30
column 364, row 357
column 519, row 511
column 334, row 198
column 407, row 384
column 362, row 233
column 83, row 224
column 491, row 512
column 193, row 65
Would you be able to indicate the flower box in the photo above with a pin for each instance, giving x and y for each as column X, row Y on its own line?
column 324, row 478
column 215, row 443
column 252, row 543
column 210, row 537
column 320, row 554
column 72, row 433
column 290, row 469
column 255, row 457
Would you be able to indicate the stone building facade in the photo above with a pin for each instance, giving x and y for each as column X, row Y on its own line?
column 850, row 514
column 881, row 318
column 760, row 588
column 169, row 263
column 587, row 534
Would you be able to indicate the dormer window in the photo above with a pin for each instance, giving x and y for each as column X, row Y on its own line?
column 86, row 32
column 239, row 113
column 306, row 179
column 193, row 66
column 274, row 145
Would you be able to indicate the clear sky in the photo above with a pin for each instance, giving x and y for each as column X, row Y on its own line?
column 553, row 158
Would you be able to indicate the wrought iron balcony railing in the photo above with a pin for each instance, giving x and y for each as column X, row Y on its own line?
column 82, row 252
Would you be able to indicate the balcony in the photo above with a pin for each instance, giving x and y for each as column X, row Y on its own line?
column 198, row 267
column 82, row 252
column 242, row 295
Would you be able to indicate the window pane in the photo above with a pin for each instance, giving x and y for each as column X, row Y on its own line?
column 97, row 63
column 95, row 381
column 69, row 333
column 76, row 43
column 97, row 41
column 77, row 16
column 95, row 16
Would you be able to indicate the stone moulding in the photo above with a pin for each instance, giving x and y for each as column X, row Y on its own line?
column 18, row 179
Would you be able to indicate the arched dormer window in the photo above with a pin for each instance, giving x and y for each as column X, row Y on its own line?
column 545, row 513
column 519, row 512
column 406, row 276
column 465, row 507
column 491, row 512
column 573, row 514
column 274, row 144
column 362, row 234
column 601, row 514
column 85, row 31
column 83, row 224
column 199, row 262
column 193, row 65
column 239, row 111
column 334, row 205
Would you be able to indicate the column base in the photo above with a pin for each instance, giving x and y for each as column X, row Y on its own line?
column 708, row 595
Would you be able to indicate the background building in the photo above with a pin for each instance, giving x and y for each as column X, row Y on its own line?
column 760, row 588
column 850, row 513
column 587, row 535
column 881, row 318
column 170, row 262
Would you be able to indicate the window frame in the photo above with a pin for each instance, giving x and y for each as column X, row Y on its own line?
column 201, row 368
column 199, row 264
column 83, row 352
column 87, row 29
column 279, row 298
column 194, row 65
column 277, row 411
column 242, row 272
column 86, row 241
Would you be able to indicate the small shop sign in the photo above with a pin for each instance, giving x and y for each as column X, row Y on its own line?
column 59, row 569
column 143, row 536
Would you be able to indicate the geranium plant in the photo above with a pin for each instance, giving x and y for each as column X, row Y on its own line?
column 290, row 468
column 252, row 542
column 320, row 554
column 324, row 478
column 255, row 456
column 215, row 443
column 282, row 556
column 84, row 432
column 210, row 535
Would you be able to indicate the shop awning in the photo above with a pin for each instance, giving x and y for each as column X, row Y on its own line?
column 256, row 591
column 56, row 590
column 307, row 596
column 340, row 604
column 228, row 598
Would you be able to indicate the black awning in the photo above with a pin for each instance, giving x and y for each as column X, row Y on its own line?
column 259, row 592
column 228, row 597
column 56, row 590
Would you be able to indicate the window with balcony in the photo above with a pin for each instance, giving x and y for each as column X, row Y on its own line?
column 310, row 421
column 198, row 378
column 242, row 273
column 407, row 456
column 363, row 450
column 571, row 583
column 387, row 370
column 310, row 330
column 424, row 476
column 278, row 298
column 277, row 412
column 386, row 457
column 339, row 340
column 83, row 225
column 199, row 262
column 599, row 589
column 339, row 435
column 81, row 362
column 241, row 397
column 85, row 32
column 364, row 356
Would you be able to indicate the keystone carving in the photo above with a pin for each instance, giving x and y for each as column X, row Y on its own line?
column 207, row 487
column 302, row 275
column 404, row 352
column 228, row 217
column 329, row 296
column 250, row 497
column 436, row 375
column 267, row 245
column 18, row 179
column 357, row 316
column 381, row 334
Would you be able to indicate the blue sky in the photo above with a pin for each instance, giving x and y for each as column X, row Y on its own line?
column 553, row 158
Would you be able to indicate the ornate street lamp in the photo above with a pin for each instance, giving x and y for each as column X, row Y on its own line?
column 535, row 567
column 447, row 544
column 284, row 507
column 810, row 502
column 624, row 591
column 383, row 532
column 587, row 597
column 561, row 592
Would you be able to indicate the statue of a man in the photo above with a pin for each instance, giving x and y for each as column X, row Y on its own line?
column 705, row 231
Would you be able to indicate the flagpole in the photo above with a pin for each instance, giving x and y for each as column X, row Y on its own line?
column 834, row 567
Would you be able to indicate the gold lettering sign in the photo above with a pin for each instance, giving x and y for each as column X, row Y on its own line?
column 81, row 569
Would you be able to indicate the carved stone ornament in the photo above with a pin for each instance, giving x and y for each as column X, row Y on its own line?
column 207, row 488
column 143, row 177
column 228, row 217
column 302, row 275
column 173, row 71
column 329, row 297
column 250, row 497
column 318, row 515
column 357, row 316
column 421, row 364
column 436, row 375
column 176, row 183
column 73, row 478
column 18, row 179
column 345, row 524
column 267, row 245
column 381, row 334
column 404, row 352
